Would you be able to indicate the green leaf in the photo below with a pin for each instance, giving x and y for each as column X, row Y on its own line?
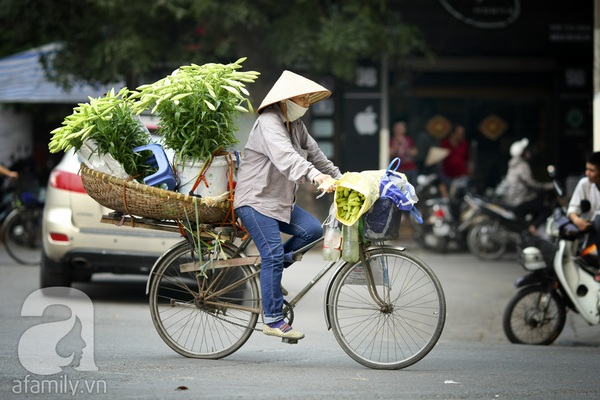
column 180, row 96
column 210, row 105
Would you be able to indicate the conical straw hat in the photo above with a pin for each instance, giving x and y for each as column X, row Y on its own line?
column 435, row 155
column 291, row 85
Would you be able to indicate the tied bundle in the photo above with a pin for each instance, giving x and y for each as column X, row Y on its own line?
column 349, row 203
column 355, row 194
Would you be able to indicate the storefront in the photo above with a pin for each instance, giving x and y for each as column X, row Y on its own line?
column 503, row 69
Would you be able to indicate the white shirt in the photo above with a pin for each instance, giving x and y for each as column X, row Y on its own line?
column 585, row 190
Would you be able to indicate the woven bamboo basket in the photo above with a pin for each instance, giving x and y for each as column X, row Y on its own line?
column 133, row 198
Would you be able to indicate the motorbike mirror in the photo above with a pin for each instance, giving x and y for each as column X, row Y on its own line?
column 585, row 206
column 557, row 187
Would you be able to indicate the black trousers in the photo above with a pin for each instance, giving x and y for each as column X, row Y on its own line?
column 537, row 208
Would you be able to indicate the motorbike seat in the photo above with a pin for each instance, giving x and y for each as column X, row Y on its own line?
column 570, row 232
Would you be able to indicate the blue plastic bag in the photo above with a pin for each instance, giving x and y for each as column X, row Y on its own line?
column 395, row 186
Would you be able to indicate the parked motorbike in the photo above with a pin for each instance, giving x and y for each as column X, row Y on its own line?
column 560, row 278
column 446, row 221
column 496, row 230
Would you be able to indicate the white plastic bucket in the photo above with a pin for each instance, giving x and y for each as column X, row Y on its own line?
column 216, row 177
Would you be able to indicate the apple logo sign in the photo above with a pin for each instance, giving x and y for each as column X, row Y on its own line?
column 365, row 122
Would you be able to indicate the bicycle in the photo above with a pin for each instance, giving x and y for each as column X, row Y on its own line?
column 388, row 315
column 21, row 230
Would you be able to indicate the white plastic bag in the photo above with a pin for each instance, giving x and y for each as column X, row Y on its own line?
column 88, row 152
column 332, row 232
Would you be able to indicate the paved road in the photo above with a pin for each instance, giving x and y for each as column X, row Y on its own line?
column 473, row 360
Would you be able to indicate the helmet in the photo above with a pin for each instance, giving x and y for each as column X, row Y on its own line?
column 518, row 148
column 532, row 259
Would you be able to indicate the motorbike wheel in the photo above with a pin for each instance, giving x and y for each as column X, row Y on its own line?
column 485, row 240
column 534, row 316
column 425, row 236
column 427, row 239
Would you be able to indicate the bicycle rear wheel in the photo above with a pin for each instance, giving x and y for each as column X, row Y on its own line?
column 406, row 325
column 22, row 235
column 200, row 316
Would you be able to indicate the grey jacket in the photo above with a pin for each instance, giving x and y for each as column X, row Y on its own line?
column 521, row 186
column 275, row 162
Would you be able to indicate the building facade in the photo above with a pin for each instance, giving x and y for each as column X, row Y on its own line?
column 505, row 69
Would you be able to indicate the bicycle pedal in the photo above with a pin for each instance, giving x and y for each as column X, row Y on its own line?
column 289, row 340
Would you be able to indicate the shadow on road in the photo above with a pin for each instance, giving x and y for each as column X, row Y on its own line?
column 115, row 288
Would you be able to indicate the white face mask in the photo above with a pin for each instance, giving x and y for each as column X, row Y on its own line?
column 294, row 111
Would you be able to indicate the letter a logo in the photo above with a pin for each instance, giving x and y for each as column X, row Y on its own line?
column 48, row 347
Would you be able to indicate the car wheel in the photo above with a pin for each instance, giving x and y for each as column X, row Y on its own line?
column 53, row 274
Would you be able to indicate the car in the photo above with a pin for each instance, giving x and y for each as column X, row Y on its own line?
column 76, row 245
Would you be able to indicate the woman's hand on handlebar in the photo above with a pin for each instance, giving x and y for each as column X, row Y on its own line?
column 326, row 183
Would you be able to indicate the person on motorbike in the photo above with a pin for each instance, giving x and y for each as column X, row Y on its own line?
column 588, row 188
column 521, row 190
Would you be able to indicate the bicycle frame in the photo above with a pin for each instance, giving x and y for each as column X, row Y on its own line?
column 235, row 261
column 386, row 311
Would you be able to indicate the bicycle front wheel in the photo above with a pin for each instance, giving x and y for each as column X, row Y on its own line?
column 203, row 316
column 22, row 235
column 398, row 323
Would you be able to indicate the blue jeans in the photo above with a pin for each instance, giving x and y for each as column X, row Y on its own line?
column 276, row 255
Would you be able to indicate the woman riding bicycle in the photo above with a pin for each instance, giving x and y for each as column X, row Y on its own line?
column 279, row 155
